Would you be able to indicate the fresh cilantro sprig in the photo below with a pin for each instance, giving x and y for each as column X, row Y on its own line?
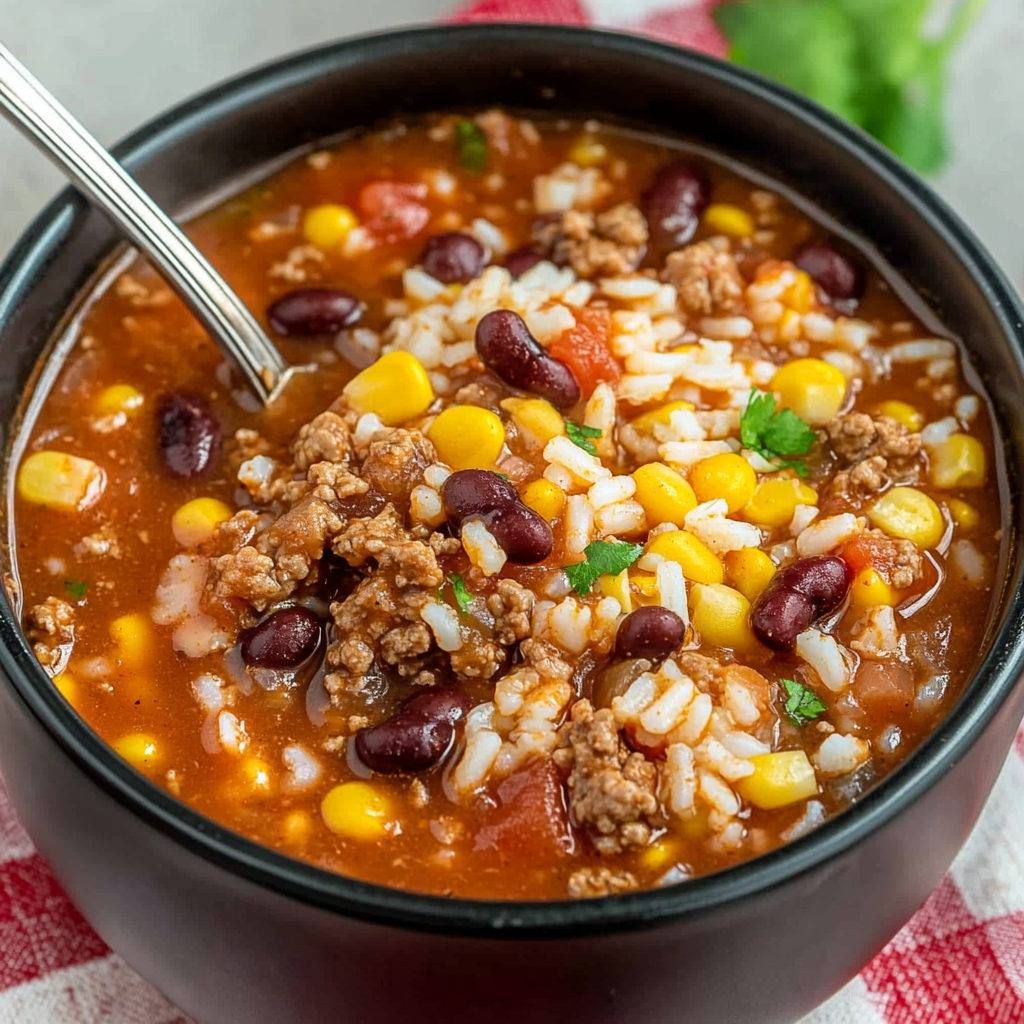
column 874, row 62
column 463, row 597
column 603, row 557
column 472, row 145
column 583, row 437
column 802, row 705
column 775, row 433
column 75, row 589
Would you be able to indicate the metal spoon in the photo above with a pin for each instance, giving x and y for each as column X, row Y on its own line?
column 31, row 109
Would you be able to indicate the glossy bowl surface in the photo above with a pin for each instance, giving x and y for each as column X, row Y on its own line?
column 234, row 931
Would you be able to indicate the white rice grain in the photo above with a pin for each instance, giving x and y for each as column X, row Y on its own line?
column 671, row 588
column 611, row 490
column 937, row 432
column 708, row 522
column 560, row 451
column 623, row 519
column 826, row 535
column 840, row 754
column 579, row 525
column 824, row 655
column 483, row 550
column 876, row 635
column 967, row 407
column 443, row 621
column 922, row 349
column 303, row 770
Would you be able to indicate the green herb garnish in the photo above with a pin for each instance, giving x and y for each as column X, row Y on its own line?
column 462, row 596
column 472, row 145
column 604, row 557
column 775, row 433
column 75, row 589
column 581, row 436
column 802, row 705
column 874, row 62
column 504, row 476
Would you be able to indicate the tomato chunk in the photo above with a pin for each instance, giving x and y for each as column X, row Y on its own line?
column 584, row 349
column 878, row 552
column 392, row 210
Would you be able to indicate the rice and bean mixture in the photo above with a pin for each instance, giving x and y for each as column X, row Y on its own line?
column 626, row 526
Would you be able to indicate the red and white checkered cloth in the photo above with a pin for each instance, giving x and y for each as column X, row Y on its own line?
column 959, row 961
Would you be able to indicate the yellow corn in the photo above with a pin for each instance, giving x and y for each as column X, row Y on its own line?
column 749, row 571
column 658, row 855
column 67, row 687
column 140, row 750
column 256, row 777
column 328, row 226
column 133, row 635
column 647, row 421
column 536, row 421
column 467, row 437
column 545, row 498
column 700, row 564
column 644, row 587
column 296, row 827
column 395, row 387
column 665, row 496
column 812, row 388
column 588, row 152
column 869, row 590
column 780, row 778
column 775, row 500
column 902, row 412
column 694, row 826
column 617, row 587
column 965, row 516
column 909, row 514
column 799, row 296
column 789, row 326
column 721, row 616
column 197, row 520
column 356, row 810
column 727, row 219
column 957, row 461
column 64, row 482
column 727, row 476
column 118, row 398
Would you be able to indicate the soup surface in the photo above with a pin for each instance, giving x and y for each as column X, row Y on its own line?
column 627, row 524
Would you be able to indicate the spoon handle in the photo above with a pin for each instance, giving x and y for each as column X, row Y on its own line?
column 39, row 116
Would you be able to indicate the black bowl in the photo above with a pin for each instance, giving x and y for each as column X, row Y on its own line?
column 232, row 931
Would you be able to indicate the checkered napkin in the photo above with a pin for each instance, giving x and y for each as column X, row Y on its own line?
column 959, row 961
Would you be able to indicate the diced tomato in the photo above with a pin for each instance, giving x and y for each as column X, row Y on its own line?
column 530, row 822
column 584, row 349
column 392, row 210
column 865, row 550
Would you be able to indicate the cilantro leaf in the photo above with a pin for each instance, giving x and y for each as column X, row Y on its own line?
column 504, row 476
column 472, row 145
column 462, row 596
column 775, row 433
column 75, row 589
column 581, row 436
column 802, row 705
column 604, row 557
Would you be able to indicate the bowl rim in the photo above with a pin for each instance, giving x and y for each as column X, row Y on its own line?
column 981, row 699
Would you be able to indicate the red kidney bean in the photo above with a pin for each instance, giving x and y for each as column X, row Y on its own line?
column 651, row 632
column 404, row 743
column 505, row 346
column 798, row 596
column 476, row 492
column 837, row 276
column 453, row 257
column 189, row 434
column 524, row 535
column 282, row 640
column 308, row 312
column 616, row 679
column 440, row 703
column 519, row 261
column 674, row 202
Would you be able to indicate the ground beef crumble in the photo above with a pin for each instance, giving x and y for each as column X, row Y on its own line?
column 605, row 245
column 51, row 631
column 707, row 278
column 874, row 451
column 589, row 882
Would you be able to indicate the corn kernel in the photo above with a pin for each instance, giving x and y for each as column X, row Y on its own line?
column 799, row 296
column 545, row 498
column 812, row 388
column 133, row 635
column 66, row 686
column 965, row 516
column 118, row 398
column 902, row 412
column 700, row 564
column 721, row 616
column 256, row 777
column 869, row 590
column 617, row 587
column 775, row 500
column 694, row 827
column 646, row 422
column 197, row 520
column 356, row 810
column 958, row 461
column 658, row 855
column 139, row 750
column 726, row 219
column 63, row 482
column 328, row 226
column 467, row 437
column 536, row 421
column 749, row 571
column 395, row 387
column 666, row 496
column 780, row 778
column 588, row 152
column 909, row 514
column 296, row 827
column 727, row 476
column 644, row 587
